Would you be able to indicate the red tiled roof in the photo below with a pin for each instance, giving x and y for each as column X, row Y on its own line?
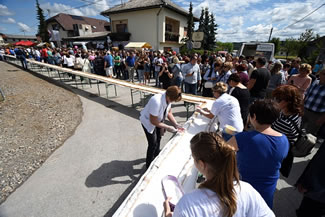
column 67, row 21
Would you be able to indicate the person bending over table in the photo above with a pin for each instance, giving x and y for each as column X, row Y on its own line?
column 226, row 109
column 152, row 119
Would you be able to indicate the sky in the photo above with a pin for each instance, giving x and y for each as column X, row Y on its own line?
column 238, row 20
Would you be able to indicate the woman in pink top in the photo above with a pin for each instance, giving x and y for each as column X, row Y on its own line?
column 301, row 80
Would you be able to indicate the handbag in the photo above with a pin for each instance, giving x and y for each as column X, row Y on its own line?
column 209, row 84
column 304, row 144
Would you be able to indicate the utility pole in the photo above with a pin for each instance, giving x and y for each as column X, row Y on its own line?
column 270, row 34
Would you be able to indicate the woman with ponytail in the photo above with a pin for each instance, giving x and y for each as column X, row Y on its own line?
column 222, row 194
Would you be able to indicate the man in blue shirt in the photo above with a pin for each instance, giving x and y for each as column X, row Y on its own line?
column 192, row 76
column 296, row 65
column 108, row 64
column 130, row 63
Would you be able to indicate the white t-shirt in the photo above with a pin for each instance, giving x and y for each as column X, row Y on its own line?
column 160, row 61
column 70, row 61
column 205, row 203
column 156, row 107
column 226, row 108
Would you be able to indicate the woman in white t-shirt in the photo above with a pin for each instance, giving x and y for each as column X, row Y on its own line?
column 222, row 194
column 225, row 109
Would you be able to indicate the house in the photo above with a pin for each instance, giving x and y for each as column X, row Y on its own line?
column 70, row 28
column 161, row 23
column 8, row 38
column 316, row 49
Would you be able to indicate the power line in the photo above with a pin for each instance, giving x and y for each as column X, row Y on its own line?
column 304, row 17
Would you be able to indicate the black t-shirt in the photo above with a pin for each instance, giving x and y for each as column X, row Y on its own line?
column 165, row 80
column 141, row 65
column 242, row 95
column 262, row 76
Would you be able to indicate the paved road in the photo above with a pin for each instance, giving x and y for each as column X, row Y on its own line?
column 95, row 169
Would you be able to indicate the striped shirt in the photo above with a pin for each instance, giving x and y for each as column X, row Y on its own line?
column 284, row 124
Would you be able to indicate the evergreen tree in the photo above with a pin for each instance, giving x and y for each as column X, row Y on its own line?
column 42, row 28
column 201, row 25
column 212, row 28
column 190, row 23
column 206, row 23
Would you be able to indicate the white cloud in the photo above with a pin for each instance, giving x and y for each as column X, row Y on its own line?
column 89, row 10
column 9, row 20
column 23, row 27
column 4, row 11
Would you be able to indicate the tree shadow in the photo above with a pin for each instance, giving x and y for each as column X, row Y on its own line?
column 115, row 172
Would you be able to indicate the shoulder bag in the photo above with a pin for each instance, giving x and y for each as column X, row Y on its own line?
column 304, row 144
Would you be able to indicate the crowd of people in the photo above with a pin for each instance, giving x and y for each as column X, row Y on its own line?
column 274, row 99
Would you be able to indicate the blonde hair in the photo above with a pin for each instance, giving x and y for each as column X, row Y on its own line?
column 306, row 66
column 220, row 87
column 228, row 65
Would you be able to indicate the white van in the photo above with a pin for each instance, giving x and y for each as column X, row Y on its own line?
column 258, row 49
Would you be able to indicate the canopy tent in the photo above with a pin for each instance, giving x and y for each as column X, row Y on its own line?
column 24, row 43
column 138, row 45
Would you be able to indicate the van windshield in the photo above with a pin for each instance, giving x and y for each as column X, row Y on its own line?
column 251, row 50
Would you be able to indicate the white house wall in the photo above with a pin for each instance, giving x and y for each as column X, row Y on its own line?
column 63, row 33
column 142, row 26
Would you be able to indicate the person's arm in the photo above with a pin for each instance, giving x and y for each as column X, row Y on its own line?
column 170, row 75
column 154, row 121
column 167, row 210
column 161, row 71
column 205, row 112
column 233, row 142
column 172, row 119
column 105, row 64
column 251, row 83
column 252, row 80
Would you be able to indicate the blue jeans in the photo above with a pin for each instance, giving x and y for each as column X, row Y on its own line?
column 178, row 81
column 157, row 79
column 141, row 75
column 191, row 88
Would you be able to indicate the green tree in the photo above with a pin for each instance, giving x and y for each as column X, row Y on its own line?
column 276, row 42
column 225, row 46
column 201, row 25
column 303, row 40
column 206, row 23
column 291, row 47
column 42, row 28
column 190, row 23
column 212, row 31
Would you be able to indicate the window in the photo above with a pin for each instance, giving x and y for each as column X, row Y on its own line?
column 168, row 28
column 55, row 26
column 121, row 27
column 185, row 31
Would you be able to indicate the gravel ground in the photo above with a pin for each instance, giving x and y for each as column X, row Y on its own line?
column 35, row 119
